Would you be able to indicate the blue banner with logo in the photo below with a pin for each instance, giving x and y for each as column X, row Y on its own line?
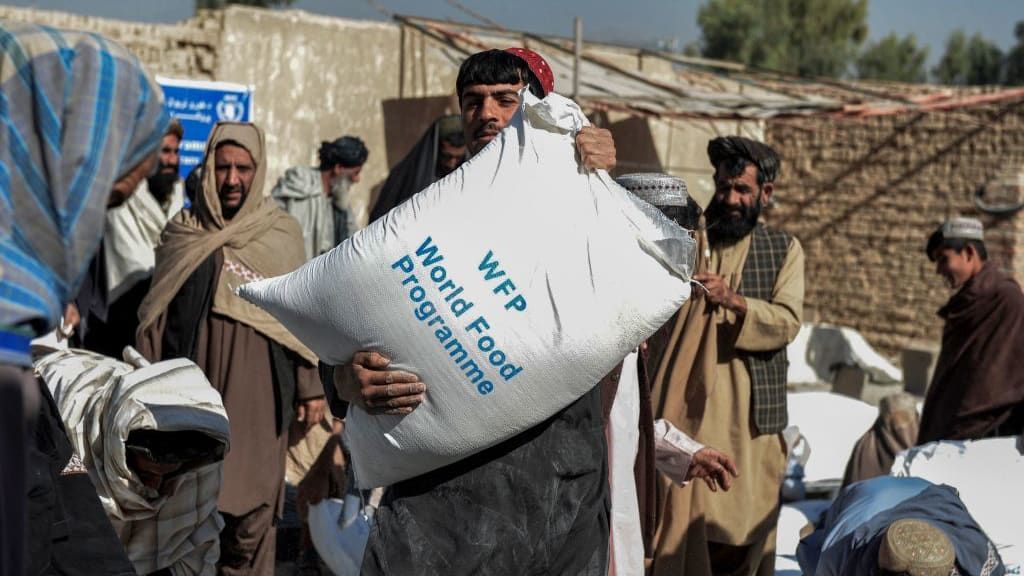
column 200, row 104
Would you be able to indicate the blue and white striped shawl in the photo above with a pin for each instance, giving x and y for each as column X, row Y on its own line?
column 77, row 113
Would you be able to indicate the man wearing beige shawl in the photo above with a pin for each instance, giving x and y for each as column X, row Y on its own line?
column 233, row 235
column 720, row 373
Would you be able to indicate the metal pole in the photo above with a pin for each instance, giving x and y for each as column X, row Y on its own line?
column 577, row 52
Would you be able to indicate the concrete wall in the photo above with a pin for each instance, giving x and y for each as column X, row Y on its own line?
column 314, row 80
column 863, row 195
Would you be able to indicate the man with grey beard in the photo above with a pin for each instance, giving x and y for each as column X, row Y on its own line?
column 318, row 197
column 720, row 375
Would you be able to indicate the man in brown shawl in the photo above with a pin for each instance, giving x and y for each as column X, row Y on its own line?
column 720, row 373
column 977, row 390
column 234, row 235
column 894, row 431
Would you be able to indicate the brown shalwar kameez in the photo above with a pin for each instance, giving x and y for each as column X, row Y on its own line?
column 238, row 363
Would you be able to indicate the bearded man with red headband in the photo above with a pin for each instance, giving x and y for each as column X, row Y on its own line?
column 536, row 504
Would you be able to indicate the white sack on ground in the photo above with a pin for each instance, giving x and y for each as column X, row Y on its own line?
column 988, row 474
column 819, row 349
column 832, row 424
column 510, row 287
column 793, row 517
column 101, row 400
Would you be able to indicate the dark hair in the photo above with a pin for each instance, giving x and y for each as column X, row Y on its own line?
column 496, row 67
column 193, row 183
column 347, row 151
column 686, row 216
column 175, row 129
column 733, row 166
column 937, row 241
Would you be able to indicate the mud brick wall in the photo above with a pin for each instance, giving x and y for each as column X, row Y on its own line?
column 864, row 194
column 184, row 50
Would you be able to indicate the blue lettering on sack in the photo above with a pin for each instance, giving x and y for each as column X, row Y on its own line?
column 425, row 268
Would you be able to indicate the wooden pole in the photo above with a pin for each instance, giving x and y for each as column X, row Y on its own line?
column 577, row 53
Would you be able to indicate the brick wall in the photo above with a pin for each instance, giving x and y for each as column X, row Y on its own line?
column 184, row 50
column 864, row 194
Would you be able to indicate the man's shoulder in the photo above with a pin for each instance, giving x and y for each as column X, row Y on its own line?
column 774, row 234
column 1007, row 288
column 775, row 239
column 298, row 181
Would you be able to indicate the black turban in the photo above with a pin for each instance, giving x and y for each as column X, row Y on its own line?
column 348, row 151
column 732, row 147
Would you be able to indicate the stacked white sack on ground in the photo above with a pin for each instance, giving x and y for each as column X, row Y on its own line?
column 832, row 424
column 819, row 349
column 510, row 287
column 988, row 474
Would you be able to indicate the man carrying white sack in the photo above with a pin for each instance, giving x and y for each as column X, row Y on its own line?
column 153, row 438
column 232, row 235
column 537, row 503
column 638, row 444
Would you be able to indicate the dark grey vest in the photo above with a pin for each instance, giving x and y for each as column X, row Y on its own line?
column 767, row 369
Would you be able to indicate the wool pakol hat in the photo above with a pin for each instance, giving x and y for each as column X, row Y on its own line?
column 656, row 188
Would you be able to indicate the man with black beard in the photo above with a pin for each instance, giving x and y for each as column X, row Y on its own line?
column 308, row 193
column 118, row 280
column 720, row 372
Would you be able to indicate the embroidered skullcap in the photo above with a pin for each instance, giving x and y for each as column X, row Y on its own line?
column 656, row 188
column 538, row 65
column 963, row 229
column 757, row 153
column 917, row 548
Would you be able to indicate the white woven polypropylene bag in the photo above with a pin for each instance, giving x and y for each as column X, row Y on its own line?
column 510, row 287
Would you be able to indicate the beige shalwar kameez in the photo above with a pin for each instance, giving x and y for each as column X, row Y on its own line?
column 703, row 387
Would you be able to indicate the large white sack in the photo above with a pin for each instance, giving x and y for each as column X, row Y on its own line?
column 568, row 271
column 988, row 474
column 819, row 349
column 832, row 424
